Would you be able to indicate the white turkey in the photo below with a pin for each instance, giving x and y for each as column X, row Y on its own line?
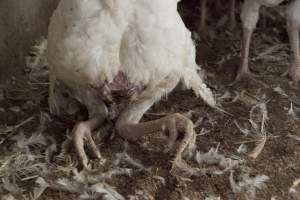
column 250, row 16
column 139, row 48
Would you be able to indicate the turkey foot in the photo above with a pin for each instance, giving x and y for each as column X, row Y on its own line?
column 82, row 133
column 245, row 74
column 176, row 125
column 129, row 127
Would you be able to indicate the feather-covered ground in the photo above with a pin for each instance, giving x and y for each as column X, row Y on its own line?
column 251, row 153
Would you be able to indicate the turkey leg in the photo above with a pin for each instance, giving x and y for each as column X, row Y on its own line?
column 249, row 17
column 244, row 67
column 293, row 31
column 129, row 128
column 82, row 131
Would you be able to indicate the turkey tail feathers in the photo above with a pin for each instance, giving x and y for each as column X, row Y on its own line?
column 193, row 80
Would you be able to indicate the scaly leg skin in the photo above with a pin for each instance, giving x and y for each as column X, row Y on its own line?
column 82, row 131
column 243, row 70
column 129, row 128
column 293, row 31
column 249, row 17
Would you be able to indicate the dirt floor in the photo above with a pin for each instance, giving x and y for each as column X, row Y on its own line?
column 37, row 159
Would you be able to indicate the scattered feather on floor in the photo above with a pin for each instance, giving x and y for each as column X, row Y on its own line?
column 21, row 166
column 295, row 189
column 141, row 195
column 247, row 186
column 258, row 117
column 7, row 197
column 261, row 131
column 295, row 137
column 213, row 198
column 292, row 113
column 280, row 91
column 124, row 158
column 39, row 190
column 11, row 187
column 162, row 180
column 95, row 177
column 242, row 149
column 213, row 158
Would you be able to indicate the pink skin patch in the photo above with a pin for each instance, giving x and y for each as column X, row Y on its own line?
column 120, row 82
column 119, row 92
column 122, row 87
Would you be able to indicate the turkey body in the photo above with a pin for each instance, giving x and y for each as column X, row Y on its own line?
column 92, row 43
column 156, row 43
column 84, row 40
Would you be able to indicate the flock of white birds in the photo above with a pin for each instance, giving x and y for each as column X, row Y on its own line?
column 142, row 49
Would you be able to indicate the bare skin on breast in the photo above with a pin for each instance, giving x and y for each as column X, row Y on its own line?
column 120, row 87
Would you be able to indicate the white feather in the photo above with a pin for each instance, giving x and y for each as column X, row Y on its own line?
column 91, row 41
column 84, row 40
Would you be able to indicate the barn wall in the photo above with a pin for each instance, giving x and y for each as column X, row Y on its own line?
column 21, row 23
